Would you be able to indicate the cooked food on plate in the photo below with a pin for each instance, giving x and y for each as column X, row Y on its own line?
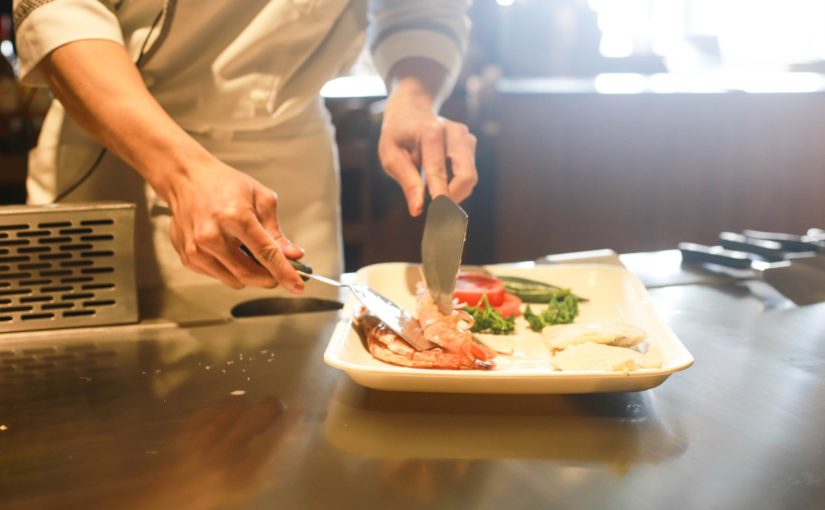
column 516, row 320
column 456, row 349
column 593, row 356
column 613, row 333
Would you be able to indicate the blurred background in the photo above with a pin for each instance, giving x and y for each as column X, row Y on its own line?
column 623, row 124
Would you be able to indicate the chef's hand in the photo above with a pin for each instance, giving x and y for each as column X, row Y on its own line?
column 215, row 210
column 413, row 137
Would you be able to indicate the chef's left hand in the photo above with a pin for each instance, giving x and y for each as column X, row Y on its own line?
column 413, row 137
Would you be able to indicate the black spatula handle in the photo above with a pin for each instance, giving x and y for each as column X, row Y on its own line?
column 700, row 253
column 789, row 242
column 769, row 250
column 297, row 265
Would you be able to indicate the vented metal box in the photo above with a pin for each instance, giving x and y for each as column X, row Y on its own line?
column 67, row 265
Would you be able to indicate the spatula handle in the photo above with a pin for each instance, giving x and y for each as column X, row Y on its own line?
column 767, row 249
column 298, row 266
column 700, row 253
column 789, row 242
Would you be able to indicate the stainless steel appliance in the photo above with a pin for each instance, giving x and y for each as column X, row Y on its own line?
column 67, row 265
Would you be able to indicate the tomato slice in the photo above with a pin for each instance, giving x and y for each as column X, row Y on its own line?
column 469, row 287
column 510, row 306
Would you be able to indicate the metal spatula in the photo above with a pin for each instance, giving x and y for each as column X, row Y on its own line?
column 444, row 232
column 800, row 283
column 393, row 316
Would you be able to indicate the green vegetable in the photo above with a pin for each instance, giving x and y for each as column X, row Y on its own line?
column 535, row 321
column 562, row 308
column 488, row 320
column 531, row 291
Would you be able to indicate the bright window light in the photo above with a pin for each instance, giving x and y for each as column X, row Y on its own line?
column 745, row 35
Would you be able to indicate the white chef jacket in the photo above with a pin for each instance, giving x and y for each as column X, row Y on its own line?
column 243, row 78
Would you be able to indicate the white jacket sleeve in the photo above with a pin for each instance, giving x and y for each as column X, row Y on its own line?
column 434, row 29
column 41, row 26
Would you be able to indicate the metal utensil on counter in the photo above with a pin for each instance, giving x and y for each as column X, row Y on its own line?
column 801, row 283
column 445, row 230
column 803, row 249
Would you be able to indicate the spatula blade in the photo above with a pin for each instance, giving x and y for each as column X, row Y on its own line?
column 395, row 318
column 801, row 283
column 445, row 230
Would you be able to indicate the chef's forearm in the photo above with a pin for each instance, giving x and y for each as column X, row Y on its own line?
column 423, row 81
column 102, row 90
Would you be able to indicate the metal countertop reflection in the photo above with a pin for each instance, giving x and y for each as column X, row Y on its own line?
column 215, row 412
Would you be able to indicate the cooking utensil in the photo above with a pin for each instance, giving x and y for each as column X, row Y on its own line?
column 790, row 242
column 444, row 232
column 393, row 316
column 802, row 249
column 801, row 283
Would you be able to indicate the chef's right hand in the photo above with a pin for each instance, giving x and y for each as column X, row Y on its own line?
column 217, row 209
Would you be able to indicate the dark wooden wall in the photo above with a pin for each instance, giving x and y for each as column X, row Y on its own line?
column 645, row 171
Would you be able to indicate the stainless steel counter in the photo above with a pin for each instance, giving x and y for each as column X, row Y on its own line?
column 244, row 413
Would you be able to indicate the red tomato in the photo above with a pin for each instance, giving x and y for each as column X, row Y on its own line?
column 469, row 287
column 510, row 305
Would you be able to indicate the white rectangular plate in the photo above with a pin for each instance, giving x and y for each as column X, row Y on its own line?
column 614, row 294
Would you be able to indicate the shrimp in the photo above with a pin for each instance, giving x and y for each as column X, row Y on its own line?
column 446, row 331
column 386, row 345
column 454, row 345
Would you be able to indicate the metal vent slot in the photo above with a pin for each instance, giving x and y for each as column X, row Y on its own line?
column 77, row 279
column 54, row 240
column 69, row 231
column 75, row 313
column 99, row 221
column 63, row 266
column 56, row 256
column 32, row 283
column 34, row 249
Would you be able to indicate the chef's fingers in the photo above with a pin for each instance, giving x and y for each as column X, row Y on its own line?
column 461, row 147
column 210, row 238
column 199, row 261
column 398, row 164
column 210, row 266
column 266, row 207
column 260, row 243
column 434, row 157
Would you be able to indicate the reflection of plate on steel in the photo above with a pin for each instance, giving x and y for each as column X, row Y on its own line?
column 614, row 294
column 616, row 429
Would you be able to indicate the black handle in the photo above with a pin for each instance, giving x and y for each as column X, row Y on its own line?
column 769, row 250
column 700, row 253
column 789, row 242
column 298, row 266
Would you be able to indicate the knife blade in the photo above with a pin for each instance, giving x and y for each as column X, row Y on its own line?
column 445, row 230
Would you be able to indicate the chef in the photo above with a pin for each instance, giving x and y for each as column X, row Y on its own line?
column 211, row 110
